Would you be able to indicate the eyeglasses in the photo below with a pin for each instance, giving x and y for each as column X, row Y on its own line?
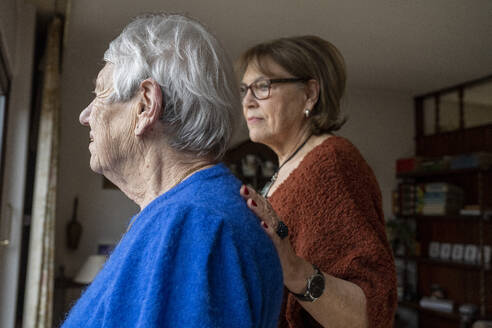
column 261, row 88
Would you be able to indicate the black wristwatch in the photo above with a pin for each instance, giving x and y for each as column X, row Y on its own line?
column 315, row 287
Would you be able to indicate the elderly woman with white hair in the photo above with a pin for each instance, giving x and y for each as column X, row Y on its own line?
column 160, row 121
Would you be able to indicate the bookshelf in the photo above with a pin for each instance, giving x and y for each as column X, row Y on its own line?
column 463, row 282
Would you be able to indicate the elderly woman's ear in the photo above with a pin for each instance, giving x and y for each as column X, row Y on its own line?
column 150, row 105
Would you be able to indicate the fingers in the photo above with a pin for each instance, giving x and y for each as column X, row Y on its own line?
column 244, row 192
column 254, row 207
column 262, row 208
column 249, row 193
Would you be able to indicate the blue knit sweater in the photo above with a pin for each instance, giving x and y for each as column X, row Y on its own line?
column 196, row 256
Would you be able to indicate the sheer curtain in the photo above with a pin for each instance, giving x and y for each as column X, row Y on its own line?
column 38, row 300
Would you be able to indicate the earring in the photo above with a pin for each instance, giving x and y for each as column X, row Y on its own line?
column 307, row 112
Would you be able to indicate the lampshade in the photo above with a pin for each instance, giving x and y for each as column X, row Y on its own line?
column 89, row 270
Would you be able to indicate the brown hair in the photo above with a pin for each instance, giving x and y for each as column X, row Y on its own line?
column 308, row 57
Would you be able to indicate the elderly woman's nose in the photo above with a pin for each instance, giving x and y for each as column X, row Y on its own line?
column 85, row 114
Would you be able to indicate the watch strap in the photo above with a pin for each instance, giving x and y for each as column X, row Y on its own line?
column 307, row 296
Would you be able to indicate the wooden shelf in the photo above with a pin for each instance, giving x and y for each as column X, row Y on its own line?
column 464, row 282
column 460, row 265
column 414, row 305
column 455, row 217
column 430, row 173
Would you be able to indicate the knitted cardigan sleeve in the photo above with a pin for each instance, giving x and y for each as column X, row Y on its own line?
column 332, row 205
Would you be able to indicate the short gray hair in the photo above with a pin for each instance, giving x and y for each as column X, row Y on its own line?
column 200, row 93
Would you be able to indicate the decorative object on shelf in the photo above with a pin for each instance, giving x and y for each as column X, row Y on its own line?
column 434, row 250
column 458, row 252
column 249, row 165
column 467, row 313
column 252, row 163
column 470, row 254
column 91, row 267
column 74, row 228
column 437, row 292
column 404, row 165
column 435, row 304
column 487, row 252
column 445, row 251
column 268, row 169
column 473, row 209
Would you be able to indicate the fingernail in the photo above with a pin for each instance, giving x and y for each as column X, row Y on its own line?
column 246, row 191
column 264, row 224
column 253, row 203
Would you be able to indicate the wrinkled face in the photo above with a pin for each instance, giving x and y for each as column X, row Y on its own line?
column 271, row 120
column 111, row 126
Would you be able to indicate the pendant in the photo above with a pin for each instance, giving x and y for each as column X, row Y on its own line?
column 268, row 185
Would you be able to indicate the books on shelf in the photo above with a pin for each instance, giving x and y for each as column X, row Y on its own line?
column 427, row 199
column 442, row 198
column 442, row 187
column 481, row 160
column 474, row 160
column 436, row 304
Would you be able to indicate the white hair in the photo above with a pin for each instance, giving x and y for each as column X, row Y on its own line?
column 197, row 79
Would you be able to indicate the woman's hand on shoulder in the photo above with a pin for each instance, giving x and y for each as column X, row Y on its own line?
column 294, row 268
column 262, row 208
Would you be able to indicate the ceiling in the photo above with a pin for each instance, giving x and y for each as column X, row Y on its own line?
column 405, row 46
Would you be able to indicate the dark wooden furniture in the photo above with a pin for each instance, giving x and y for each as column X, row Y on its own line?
column 236, row 157
column 463, row 283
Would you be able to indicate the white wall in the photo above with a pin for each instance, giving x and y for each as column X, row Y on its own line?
column 381, row 126
column 17, row 24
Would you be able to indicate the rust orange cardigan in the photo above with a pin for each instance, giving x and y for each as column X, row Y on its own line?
column 332, row 205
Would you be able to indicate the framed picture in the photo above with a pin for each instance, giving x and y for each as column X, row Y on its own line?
column 445, row 251
column 457, row 252
column 470, row 253
column 434, row 250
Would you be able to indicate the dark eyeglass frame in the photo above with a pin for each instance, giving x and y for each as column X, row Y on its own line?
column 270, row 82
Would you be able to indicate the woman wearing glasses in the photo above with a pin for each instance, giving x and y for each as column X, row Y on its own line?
column 324, row 211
